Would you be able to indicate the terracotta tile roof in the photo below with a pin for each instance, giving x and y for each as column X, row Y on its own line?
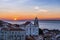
column 27, row 23
column 16, row 29
column 30, row 38
column 16, row 25
column 4, row 29
column 12, row 29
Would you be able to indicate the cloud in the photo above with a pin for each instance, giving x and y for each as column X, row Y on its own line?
column 38, row 9
column 43, row 10
column 18, row 5
column 4, row 0
column 12, row 4
column 21, row 1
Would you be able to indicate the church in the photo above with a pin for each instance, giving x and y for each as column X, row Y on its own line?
column 31, row 28
column 19, row 32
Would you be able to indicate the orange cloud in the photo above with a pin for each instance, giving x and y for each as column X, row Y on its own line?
column 28, row 15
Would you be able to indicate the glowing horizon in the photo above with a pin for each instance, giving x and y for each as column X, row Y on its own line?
column 29, row 9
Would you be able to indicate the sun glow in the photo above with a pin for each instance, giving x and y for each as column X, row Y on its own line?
column 15, row 18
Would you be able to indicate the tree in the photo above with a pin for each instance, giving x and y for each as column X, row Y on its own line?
column 1, row 23
column 40, row 31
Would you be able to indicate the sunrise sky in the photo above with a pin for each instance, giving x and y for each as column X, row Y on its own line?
column 29, row 9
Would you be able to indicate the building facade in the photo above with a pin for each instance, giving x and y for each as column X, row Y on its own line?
column 30, row 28
column 12, row 34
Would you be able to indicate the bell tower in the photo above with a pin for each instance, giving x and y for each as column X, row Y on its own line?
column 36, row 22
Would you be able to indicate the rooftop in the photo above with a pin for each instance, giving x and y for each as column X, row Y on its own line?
column 26, row 23
column 12, row 29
